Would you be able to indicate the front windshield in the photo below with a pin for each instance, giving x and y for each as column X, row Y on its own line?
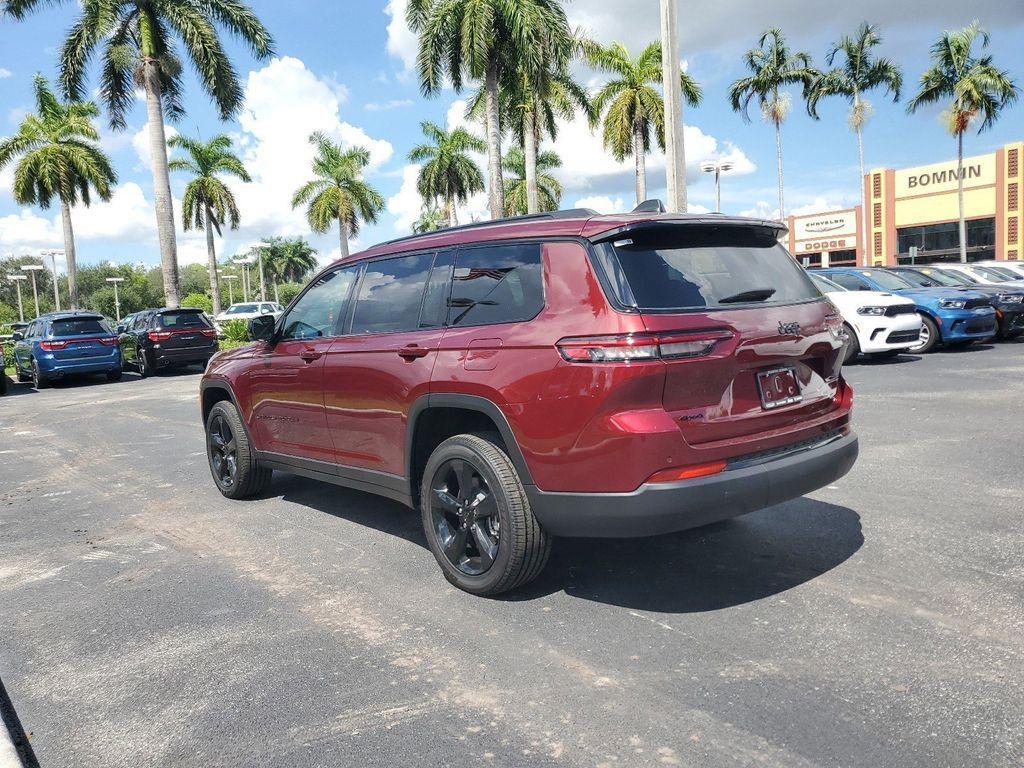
column 916, row 278
column 989, row 273
column 888, row 280
column 948, row 279
column 239, row 309
column 825, row 285
column 1009, row 274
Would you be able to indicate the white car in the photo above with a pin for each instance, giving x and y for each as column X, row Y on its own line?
column 986, row 274
column 879, row 324
column 247, row 311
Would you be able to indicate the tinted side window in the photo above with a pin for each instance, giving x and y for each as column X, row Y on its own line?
column 322, row 307
column 497, row 284
column 850, row 282
column 391, row 293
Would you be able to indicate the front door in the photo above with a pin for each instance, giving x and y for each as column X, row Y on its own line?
column 288, row 387
column 376, row 371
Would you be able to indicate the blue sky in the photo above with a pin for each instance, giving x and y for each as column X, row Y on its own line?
column 345, row 68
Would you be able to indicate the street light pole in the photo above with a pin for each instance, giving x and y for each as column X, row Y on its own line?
column 56, row 283
column 717, row 167
column 231, row 291
column 18, row 280
column 675, row 152
column 32, row 269
column 117, row 299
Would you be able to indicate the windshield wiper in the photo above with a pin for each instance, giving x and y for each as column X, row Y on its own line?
column 755, row 294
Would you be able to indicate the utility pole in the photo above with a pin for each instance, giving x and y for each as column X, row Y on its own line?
column 675, row 152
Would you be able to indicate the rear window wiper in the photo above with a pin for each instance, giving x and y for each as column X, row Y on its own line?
column 755, row 294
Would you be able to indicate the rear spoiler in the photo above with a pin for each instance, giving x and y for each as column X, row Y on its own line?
column 707, row 220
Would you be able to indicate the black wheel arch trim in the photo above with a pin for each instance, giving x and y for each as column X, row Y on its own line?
column 223, row 386
column 469, row 403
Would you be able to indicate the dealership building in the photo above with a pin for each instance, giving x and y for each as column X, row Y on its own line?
column 917, row 208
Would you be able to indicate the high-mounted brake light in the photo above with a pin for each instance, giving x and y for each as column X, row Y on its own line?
column 637, row 347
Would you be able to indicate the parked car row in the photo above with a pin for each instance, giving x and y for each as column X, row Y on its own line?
column 951, row 305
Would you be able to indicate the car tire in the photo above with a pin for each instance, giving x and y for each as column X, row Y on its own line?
column 143, row 363
column 929, row 337
column 232, row 459
column 852, row 347
column 484, row 536
column 38, row 380
column 114, row 375
column 23, row 378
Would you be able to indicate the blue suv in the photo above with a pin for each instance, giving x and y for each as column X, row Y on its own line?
column 949, row 316
column 60, row 344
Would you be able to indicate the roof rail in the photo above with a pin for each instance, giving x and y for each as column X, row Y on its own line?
column 571, row 213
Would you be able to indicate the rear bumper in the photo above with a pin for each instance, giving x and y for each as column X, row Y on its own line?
column 53, row 369
column 652, row 509
column 162, row 357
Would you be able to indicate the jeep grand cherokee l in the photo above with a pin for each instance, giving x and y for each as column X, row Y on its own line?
column 561, row 374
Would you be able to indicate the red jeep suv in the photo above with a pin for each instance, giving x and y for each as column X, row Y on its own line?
column 562, row 374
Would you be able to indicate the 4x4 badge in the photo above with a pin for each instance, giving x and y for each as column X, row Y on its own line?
column 788, row 329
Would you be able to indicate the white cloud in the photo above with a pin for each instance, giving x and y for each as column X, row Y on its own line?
column 402, row 42
column 405, row 205
column 4, row 73
column 603, row 204
column 817, row 205
column 140, row 143
column 386, row 106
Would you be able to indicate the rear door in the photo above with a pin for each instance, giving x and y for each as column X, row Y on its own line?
column 748, row 350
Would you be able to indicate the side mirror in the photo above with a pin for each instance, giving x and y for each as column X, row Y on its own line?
column 261, row 328
column 17, row 336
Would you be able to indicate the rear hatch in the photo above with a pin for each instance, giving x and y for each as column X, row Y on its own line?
column 181, row 329
column 750, row 345
column 80, row 338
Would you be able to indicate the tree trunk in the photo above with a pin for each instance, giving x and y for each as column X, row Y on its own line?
column 675, row 150
column 161, row 178
column 530, row 154
column 960, row 195
column 69, row 252
column 343, row 229
column 639, row 155
column 211, row 260
column 496, row 190
column 778, row 157
column 277, row 296
column 863, row 187
column 453, row 217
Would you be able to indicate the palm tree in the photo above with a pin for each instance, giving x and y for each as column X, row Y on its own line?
column 485, row 40
column 772, row 67
column 860, row 72
column 549, row 189
column 208, row 203
column 432, row 218
column 138, row 42
column 338, row 193
column 531, row 106
column 59, row 157
column 288, row 260
column 975, row 88
column 448, row 173
column 631, row 105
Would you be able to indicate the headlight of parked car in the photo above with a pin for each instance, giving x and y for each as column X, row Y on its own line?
column 953, row 303
column 871, row 311
column 1011, row 298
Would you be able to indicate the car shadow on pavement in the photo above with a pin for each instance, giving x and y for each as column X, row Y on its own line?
column 704, row 569
column 874, row 362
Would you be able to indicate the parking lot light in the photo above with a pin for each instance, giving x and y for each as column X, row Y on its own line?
column 18, row 280
column 717, row 167
column 117, row 301
column 32, row 269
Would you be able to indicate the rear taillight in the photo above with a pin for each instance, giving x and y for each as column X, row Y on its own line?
column 638, row 347
column 209, row 332
column 52, row 346
column 158, row 335
column 112, row 342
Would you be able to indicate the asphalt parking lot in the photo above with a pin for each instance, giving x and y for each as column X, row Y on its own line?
column 147, row 621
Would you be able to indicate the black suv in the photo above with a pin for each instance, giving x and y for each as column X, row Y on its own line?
column 158, row 338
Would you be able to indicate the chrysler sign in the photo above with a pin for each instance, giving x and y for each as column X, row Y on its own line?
column 836, row 224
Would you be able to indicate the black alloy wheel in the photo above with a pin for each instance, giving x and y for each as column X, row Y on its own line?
column 142, row 363
column 223, row 450
column 38, row 380
column 465, row 517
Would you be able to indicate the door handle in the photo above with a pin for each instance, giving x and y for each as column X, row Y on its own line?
column 413, row 351
column 309, row 355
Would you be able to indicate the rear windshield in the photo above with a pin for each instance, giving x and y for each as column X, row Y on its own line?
column 693, row 267
column 83, row 326
column 183, row 320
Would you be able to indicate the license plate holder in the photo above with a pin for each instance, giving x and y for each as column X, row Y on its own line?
column 778, row 387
